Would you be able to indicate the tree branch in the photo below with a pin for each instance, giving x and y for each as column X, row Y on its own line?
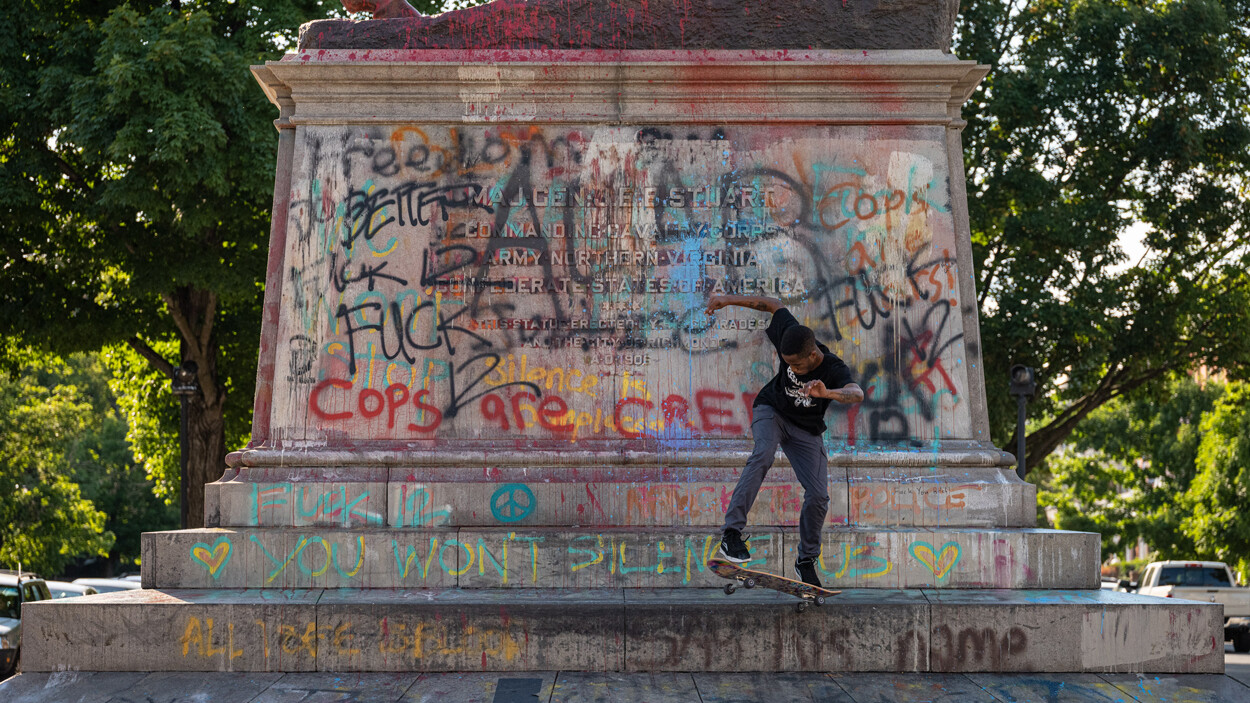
column 184, row 327
column 198, row 345
column 156, row 360
column 69, row 171
column 1048, row 438
column 210, row 309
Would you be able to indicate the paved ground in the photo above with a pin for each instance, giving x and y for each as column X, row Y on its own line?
column 570, row 687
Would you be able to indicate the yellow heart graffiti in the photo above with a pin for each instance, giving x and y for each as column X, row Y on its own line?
column 213, row 558
column 939, row 562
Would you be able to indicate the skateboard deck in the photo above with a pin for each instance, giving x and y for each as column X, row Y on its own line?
column 750, row 578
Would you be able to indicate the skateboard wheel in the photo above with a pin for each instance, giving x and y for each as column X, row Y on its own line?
column 749, row 583
column 730, row 588
column 820, row 600
column 800, row 607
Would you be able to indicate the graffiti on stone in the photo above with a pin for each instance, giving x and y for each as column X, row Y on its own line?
column 549, row 282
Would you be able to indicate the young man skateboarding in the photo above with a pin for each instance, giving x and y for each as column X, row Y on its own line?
column 789, row 412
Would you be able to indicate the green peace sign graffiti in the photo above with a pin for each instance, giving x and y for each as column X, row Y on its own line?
column 512, row 502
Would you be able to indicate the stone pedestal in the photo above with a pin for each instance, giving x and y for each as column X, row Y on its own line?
column 495, row 429
column 490, row 273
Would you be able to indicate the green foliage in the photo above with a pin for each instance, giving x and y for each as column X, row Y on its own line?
column 1170, row 465
column 1098, row 114
column 151, row 414
column 64, row 420
column 1084, row 494
column 106, row 469
column 136, row 175
column 45, row 521
column 1155, row 433
column 1219, row 523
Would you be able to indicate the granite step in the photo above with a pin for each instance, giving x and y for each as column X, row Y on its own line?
column 663, row 629
column 560, row 557
column 649, row 496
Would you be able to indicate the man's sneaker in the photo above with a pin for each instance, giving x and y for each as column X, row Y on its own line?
column 732, row 548
column 806, row 570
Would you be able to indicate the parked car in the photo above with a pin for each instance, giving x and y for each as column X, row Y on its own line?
column 109, row 585
column 65, row 589
column 1210, row 581
column 15, row 589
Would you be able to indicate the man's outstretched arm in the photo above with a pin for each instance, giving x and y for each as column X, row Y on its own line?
column 754, row 302
column 850, row 393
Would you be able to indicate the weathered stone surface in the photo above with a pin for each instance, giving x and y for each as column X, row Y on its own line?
column 942, row 495
column 648, row 502
column 607, row 558
column 590, row 687
column 603, row 558
column 295, row 558
column 1183, row 688
column 650, row 687
column 982, row 497
column 218, row 687
column 175, row 630
column 637, row 24
column 701, row 630
column 483, row 687
column 68, row 686
column 514, row 630
column 912, row 688
column 774, row 688
column 695, row 121
column 1077, row 688
column 1001, row 630
column 955, row 558
column 357, row 688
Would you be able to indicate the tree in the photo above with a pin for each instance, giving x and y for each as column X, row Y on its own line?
column 1095, row 115
column 102, row 463
column 44, row 519
column 1127, row 463
column 136, row 175
column 1216, row 501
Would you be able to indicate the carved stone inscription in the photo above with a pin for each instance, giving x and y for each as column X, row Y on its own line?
column 549, row 282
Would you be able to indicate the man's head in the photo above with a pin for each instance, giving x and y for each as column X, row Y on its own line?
column 798, row 349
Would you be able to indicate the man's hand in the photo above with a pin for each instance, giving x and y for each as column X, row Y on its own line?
column 715, row 303
column 850, row 393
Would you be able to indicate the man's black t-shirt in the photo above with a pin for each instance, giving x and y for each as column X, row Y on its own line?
column 784, row 393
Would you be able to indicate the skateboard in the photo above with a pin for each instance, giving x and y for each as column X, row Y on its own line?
column 807, row 593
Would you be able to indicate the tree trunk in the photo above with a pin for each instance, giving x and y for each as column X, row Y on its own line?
column 206, row 452
column 193, row 312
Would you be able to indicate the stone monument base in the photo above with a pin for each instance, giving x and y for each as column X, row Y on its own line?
column 622, row 629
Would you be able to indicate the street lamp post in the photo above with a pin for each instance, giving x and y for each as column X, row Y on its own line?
column 1023, row 384
column 184, row 384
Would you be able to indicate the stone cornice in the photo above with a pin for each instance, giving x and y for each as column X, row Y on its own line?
column 620, row 87
column 733, row 454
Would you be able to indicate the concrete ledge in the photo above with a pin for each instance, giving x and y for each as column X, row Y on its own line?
column 607, row 558
column 619, row 629
column 704, row 630
column 472, row 630
column 1073, row 631
column 173, row 630
column 411, row 498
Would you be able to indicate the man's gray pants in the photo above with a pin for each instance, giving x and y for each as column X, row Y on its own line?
column 806, row 452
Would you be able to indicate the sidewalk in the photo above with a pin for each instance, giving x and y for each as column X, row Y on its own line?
column 577, row 687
